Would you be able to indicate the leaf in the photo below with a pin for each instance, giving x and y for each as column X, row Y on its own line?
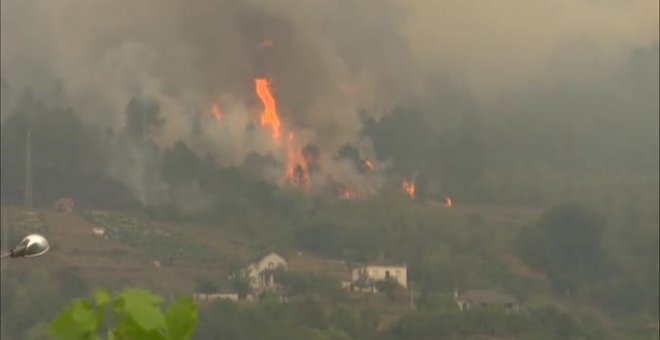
column 129, row 329
column 182, row 319
column 141, row 296
column 83, row 312
column 101, row 298
column 143, row 308
column 137, row 314
column 78, row 321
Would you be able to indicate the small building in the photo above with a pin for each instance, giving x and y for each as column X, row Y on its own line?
column 261, row 271
column 485, row 298
column 381, row 271
column 98, row 231
column 215, row 296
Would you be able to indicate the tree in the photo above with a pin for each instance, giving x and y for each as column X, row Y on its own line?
column 389, row 287
column 240, row 282
column 206, row 286
column 143, row 118
column 136, row 314
column 180, row 164
column 566, row 243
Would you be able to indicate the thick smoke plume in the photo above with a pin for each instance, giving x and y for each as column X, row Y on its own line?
column 328, row 61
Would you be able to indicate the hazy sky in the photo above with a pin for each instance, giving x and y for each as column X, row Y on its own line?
column 501, row 44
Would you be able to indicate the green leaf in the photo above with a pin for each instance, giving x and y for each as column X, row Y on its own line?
column 143, row 308
column 78, row 321
column 141, row 296
column 182, row 319
column 83, row 312
column 129, row 329
column 137, row 314
column 102, row 298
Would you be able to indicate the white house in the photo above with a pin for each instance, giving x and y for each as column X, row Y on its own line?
column 381, row 271
column 261, row 272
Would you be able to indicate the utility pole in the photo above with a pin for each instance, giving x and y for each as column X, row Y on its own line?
column 28, row 170
column 412, row 297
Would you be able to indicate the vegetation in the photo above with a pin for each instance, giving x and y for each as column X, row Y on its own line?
column 22, row 223
column 566, row 243
column 136, row 314
column 138, row 233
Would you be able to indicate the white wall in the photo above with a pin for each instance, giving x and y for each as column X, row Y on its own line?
column 379, row 273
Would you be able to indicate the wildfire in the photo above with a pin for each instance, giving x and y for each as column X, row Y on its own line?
column 269, row 117
column 297, row 169
column 215, row 112
column 448, row 202
column 347, row 192
column 368, row 164
column 408, row 188
column 266, row 43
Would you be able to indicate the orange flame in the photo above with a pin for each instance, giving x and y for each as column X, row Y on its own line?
column 215, row 112
column 448, row 202
column 369, row 164
column 266, row 43
column 269, row 116
column 298, row 166
column 408, row 188
column 347, row 192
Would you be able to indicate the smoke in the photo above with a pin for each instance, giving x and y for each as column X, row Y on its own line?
column 504, row 45
column 328, row 61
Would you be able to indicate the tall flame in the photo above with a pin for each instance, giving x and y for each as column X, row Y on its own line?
column 408, row 188
column 297, row 168
column 269, row 117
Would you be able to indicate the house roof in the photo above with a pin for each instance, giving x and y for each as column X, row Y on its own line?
column 384, row 263
column 487, row 296
column 257, row 258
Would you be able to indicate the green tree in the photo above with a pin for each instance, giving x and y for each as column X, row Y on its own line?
column 239, row 281
column 566, row 243
column 206, row 286
column 136, row 314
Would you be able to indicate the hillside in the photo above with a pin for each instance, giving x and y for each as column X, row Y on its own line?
column 472, row 245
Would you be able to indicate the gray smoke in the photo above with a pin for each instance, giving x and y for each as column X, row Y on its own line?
column 328, row 61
